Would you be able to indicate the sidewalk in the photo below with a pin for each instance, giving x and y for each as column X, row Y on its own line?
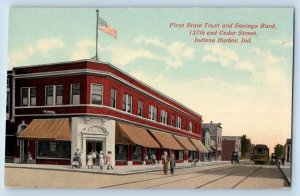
column 286, row 171
column 118, row 170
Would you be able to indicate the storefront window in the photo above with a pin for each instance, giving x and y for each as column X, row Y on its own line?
column 55, row 149
column 121, row 152
column 151, row 151
column 137, row 153
column 178, row 154
column 192, row 155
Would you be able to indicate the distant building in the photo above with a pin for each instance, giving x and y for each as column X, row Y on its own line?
column 229, row 145
column 215, row 130
column 206, row 141
column 288, row 150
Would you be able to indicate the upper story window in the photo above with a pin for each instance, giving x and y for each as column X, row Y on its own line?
column 54, row 95
column 75, row 94
column 172, row 120
column 96, row 94
column 113, row 98
column 164, row 117
column 127, row 103
column 140, row 108
column 190, row 127
column 28, row 96
column 59, row 94
column 152, row 112
column 179, row 122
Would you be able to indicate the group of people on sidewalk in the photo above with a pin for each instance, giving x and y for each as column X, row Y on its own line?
column 152, row 158
column 91, row 159
column 107, row 160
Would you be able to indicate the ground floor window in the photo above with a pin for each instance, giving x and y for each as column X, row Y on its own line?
column 193, row 155
column 54, row 149
column 178, row 154
column 151, row 151
column 121, row 152
column 137, row 153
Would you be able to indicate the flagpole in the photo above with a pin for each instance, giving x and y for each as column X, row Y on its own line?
column 97, row 11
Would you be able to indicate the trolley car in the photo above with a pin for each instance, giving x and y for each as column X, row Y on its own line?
column 260, row 154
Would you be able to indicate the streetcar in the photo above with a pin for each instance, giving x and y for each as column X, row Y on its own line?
column 260, row 154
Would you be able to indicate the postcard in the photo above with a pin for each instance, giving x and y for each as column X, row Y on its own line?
column 161, row 98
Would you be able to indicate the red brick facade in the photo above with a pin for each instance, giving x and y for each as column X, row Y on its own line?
column 86, row 73
column 228, row 146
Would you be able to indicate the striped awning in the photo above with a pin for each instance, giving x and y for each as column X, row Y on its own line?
column 47, row 129
column 184, row 141
column 166, row 140
column 201, row 148
column 126, row 133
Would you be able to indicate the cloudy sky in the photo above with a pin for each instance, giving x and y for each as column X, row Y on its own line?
column 246, row 87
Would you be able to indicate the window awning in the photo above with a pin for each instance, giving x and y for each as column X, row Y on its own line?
column 166, row 140
column 47, row 129
column 131, row 134
column 184, row 141
column 199, row 146
column 209, row 148
column 214, row 148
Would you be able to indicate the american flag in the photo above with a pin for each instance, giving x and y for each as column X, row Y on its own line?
column 103, row 26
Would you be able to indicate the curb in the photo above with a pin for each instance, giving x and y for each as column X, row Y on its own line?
column 285, row 177
column 122, row 173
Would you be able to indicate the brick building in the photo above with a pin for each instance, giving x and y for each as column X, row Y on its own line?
column 54, row 109
column 229, row 145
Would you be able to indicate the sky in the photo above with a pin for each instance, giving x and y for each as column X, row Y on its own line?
column 245, row 86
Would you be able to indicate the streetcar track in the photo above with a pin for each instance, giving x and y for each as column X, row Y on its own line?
column 228, row 176
column 145, row 180
column 184, row 179
column 246, row 177
column 217, row 179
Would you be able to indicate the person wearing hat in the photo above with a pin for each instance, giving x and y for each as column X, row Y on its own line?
column 172, row 164
column 108, row 160
column 101, row 161
column 165, row 161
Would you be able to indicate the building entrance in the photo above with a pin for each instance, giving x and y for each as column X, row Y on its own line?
column 23, row 151
column 94, row 146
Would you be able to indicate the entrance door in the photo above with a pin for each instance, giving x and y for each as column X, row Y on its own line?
column 23, row 151
column 94, row 145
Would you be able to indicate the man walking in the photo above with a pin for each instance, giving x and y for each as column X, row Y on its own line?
column 172, row 164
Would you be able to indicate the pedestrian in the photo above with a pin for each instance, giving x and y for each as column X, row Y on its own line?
column 108, row 160
column 101, row 160
column 90, row 161
column 172, row 164
column 95, row 154
column 282, row 160
column 165, row 161
column 29, row 158
column 145, row 158
column 153, row 157
column 77, row 155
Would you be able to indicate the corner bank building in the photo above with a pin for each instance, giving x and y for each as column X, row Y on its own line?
column 55, row 109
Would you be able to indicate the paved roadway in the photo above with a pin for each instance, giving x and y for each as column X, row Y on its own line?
column 228, row 176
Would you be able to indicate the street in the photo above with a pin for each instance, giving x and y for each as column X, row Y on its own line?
column 229, row 176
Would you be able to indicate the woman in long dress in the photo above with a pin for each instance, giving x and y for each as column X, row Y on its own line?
column 90, row 161
column 165, row 161
column 101, row 161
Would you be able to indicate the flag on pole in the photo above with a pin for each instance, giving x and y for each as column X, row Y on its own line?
column 103, row 26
